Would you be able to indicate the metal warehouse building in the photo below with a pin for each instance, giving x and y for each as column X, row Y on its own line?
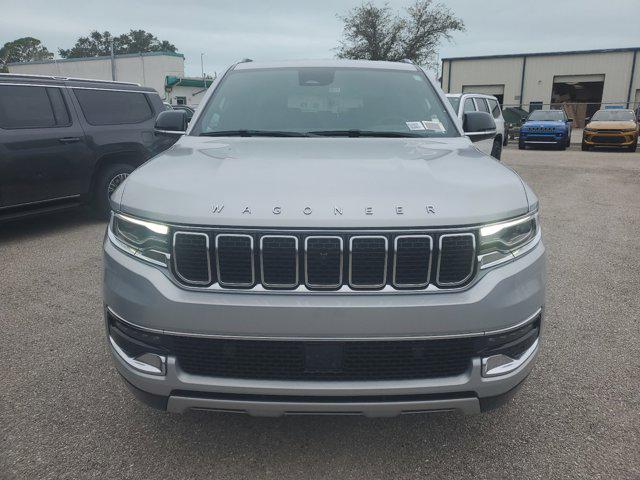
column 582, row 81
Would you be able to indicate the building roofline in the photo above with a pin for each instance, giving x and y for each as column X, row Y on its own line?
column 176, row 81
column 102, row 57
column 544, row 54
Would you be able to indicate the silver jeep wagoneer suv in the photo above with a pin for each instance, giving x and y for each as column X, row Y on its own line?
column 324, row 238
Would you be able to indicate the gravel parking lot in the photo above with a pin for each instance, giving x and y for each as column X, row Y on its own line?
column 64, row 413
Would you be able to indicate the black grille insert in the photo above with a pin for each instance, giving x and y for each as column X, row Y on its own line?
column 298, row 360
column 191, row 257
column 412, row 261
column 368, row 262
column 235, row 260
column 323, row 261
column 279, row 261
column 457, row 258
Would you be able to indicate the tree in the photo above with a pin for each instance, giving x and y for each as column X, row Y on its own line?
column 26, row 49
column 99, row 43
column 379, row 33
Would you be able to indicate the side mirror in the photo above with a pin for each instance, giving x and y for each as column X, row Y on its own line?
column 587, row 120
column 171, row 122
column 479, row 126
column 570, row 120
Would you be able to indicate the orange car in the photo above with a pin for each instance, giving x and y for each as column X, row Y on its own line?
column 611, row 128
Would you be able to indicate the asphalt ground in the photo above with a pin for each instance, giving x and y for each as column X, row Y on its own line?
column 64, row 413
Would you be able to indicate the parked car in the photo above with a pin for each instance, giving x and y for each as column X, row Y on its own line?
column 474, row 102
column 546, row 127
column 611, row 128
column 312, row 246
column 65, row 141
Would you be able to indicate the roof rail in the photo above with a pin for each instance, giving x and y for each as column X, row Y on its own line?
column 407, row 60
column 56, row 77
column 246, row 60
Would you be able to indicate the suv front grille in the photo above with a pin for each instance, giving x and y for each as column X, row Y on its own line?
column 323, row 261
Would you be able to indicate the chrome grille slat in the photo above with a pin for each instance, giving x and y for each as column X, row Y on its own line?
column 191, row 256
column 323, row 261
column 279, row 261
column 456, row 259
column 412, row 257
column 234, row 260
column 368, row 256
column 399, row 260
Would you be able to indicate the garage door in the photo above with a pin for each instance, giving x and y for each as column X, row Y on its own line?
column 486, row 89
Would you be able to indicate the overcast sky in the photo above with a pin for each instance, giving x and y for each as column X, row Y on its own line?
column 227, row 31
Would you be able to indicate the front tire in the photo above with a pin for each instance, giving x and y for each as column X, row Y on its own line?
column 585, row 147
column 108, row 180
column 633, row 146
column 496, row 150
column 521, row 145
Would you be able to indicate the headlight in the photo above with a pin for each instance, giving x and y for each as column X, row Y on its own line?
column 504, row 241
column 141, row 238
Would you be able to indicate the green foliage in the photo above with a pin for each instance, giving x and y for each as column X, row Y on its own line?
column 99, row 44
column 379, row 33
column 26, row 49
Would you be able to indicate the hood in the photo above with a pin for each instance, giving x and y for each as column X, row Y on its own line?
column 611, row 125
column 323, row 182
column 544, row 123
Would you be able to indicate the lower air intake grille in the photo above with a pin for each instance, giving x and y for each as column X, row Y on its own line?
column 191, row 255
column 606, row 139
column 457, row 258
column 293, row 360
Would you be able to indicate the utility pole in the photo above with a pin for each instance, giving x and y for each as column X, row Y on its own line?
column 113, row 63
column 204, row 82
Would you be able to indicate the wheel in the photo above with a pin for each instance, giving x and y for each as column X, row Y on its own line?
column 108, row 180
column 496, row 150
column 521, row 145
column 505, row 140
column 562, row 145
column 569, row 141
column 585, row 147
column 633, row 146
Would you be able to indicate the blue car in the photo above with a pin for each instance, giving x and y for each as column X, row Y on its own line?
column 546, row 127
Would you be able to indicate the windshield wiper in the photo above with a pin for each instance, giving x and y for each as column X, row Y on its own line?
column 253, row 133
column 365, row 133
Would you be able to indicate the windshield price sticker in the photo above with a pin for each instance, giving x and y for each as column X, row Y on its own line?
column 433, row 125
column 415, row 125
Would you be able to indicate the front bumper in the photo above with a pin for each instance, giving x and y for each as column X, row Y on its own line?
column 503, row 298
column 609, row 139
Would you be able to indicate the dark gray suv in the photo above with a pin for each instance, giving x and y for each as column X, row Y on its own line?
column 68, row 141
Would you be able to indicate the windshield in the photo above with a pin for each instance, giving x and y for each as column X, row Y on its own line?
column 325, row 101
column 455, row 102
column 547, row 116
column 613, row 115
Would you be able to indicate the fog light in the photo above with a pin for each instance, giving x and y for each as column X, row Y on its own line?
column 150, row 363
column 501, row 364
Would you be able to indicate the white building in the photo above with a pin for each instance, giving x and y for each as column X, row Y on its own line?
column 585, row 80
column 163, row 71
